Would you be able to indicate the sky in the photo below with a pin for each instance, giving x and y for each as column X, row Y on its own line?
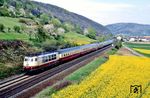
column 108, row 11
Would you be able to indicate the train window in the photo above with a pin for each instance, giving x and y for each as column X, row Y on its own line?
column 42, row 59
column 31, row 60
column 46, row 58
column 54, row 56
column 26, row 59
column 49, row 57
column 35, row 59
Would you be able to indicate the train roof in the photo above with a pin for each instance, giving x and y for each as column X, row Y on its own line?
column 40, row 53
column 75, row 48
column 68, row 49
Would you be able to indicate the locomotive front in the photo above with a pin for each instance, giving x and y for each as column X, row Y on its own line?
column 29, row 63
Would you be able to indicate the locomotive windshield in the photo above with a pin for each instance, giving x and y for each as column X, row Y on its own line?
column 25, row 59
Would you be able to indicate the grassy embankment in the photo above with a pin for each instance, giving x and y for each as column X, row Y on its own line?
column 140, row 48
column 79, row 75
column 77, row 38
column 9, row 22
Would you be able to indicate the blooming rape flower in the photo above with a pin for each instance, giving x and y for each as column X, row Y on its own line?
column 112, row 79
column 142, row 50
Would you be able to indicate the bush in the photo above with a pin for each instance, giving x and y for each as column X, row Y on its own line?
column 41, row 34
column 44, row 18
column 49, row 45
column 118, row 45
column 23, row 21
column 78, row 29
column 56, row 22
column 2, row 2
column 4, row 12
column 8, row 71
column 17, row 29
column 68, row 26
column 2, row 27
column 91, row 33
column 9, row 29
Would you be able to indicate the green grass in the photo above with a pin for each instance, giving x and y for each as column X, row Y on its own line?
column 77, row 38
column 113, row 51
column 8, row 71
column 84, row 71
column 45, row 93
column 147, row 55
column 140, row 46
column 10, row 22
column 14, row 36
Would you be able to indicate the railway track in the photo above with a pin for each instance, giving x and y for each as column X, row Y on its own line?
column 6, row 84
column 10, row 79
column 15, row 86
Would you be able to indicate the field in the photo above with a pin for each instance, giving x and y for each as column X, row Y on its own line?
column 10, row 22
column 14, row 36
column 113, row 80
column 143, row 49
column 140, row 46
column 77, row 38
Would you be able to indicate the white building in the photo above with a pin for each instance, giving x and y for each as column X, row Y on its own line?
column 132, row 39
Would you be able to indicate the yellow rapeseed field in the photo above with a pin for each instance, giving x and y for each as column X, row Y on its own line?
column 113, row 80
column 142, row 50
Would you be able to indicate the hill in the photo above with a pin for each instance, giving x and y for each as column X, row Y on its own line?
column 130, row 29
column 65, row 15
column 62, row 14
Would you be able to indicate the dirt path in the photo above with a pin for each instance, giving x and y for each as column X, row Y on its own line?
column 125, row 51
column 128, row 52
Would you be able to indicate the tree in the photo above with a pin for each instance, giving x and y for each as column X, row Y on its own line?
column 78, row 29
column 101, row 38
column 9, row 29
column 91, row 33
column 17, row 29
column 2, row 2
column 4, row 12
column 68, row 27
column 56, row 22
column 44, row 18
column 41, row 34
column 2, row 27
